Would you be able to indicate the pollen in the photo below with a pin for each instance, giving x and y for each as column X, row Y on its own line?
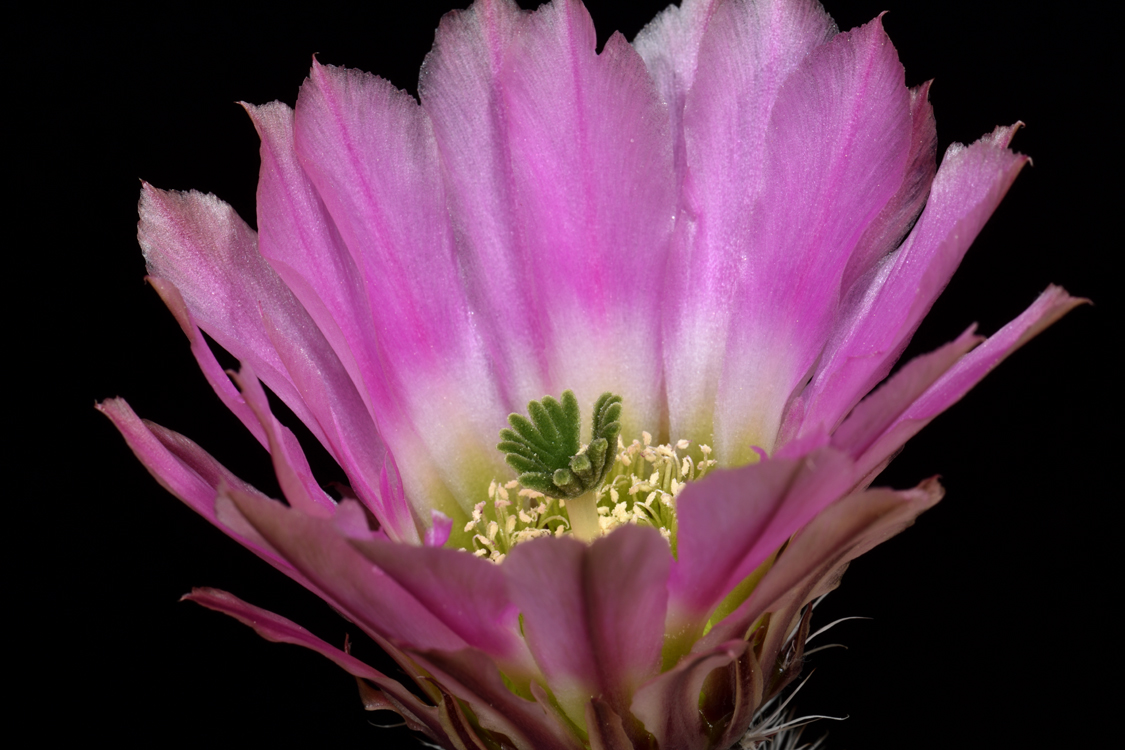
column 640, row 487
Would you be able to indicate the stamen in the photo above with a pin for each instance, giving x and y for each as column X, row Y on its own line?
column 585, row 490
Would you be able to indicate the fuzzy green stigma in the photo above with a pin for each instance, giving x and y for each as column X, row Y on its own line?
column 546, row 449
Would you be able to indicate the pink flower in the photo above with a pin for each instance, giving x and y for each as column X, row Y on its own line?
column 734, row 224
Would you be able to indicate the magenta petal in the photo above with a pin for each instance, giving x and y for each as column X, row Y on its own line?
column 813, row 561
column 191, row 474
column 876, row 328
column 369, row 150
column 301, row 243
column 300, row 240
column 440, row 527
column 840, row 136
column 475, row 679
column 208, row 364
column 460, row 91
column 199, row 245
column 593, row 616
column 669, row 45
column 289, row 462
column 605, row 728
column 729, row 85
column 732, row 520
column 278, row 629
column 591, row 168
column 876, row 412
column 468, row 594
column 352, row 436
column 366, row 595
column 1051, row 305
column 669, row 704
column 888, row 229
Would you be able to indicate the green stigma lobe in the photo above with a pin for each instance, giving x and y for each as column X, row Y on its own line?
column 546, row 448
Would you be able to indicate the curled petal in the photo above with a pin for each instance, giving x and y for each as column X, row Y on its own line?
column 199, row 245
column 289, row 462
column 475, row 679
column 888, row 229
column 417, row 715
column 605, row 728
column 947, row 390
column 668, row 704
column 875, row 413
column 873, row 331
column 347, row 580
column 205, row 358
column 467, row 593
column 747, row 686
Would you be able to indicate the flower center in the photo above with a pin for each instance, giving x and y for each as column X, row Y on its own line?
column 565, row 487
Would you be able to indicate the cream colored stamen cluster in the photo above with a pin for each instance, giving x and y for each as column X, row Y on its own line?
column 640, row 488
column 644, row 482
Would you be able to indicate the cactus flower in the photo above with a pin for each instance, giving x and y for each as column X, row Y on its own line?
column 602, row 344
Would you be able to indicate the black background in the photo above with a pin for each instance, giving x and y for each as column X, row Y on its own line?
column 993, row 621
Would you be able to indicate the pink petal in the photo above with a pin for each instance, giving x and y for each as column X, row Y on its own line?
column 727, row 87
column 1051, row 305
column 669, row 45
column 196, row 245
column 462, row 733
column 289, row 462
column 747, row 683
column 840, row 139
column 732, row 520
column 781, row 217
column 300, row 240
column 369, row 150
column 669, row 704
column 353, row 438
column 278, row 629
column 460, row 90
column 301, row 243
column 468, row 594
column 593, row 615
column 890, row 227
column 873, row 332
column 348, row 581
column 208, row 364
column 591, row 167
column 440, row 527
column 199, row 245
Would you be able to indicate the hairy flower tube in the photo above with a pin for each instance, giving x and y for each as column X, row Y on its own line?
column 602, row 344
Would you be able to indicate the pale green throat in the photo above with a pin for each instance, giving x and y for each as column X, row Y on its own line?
column 586, row 490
